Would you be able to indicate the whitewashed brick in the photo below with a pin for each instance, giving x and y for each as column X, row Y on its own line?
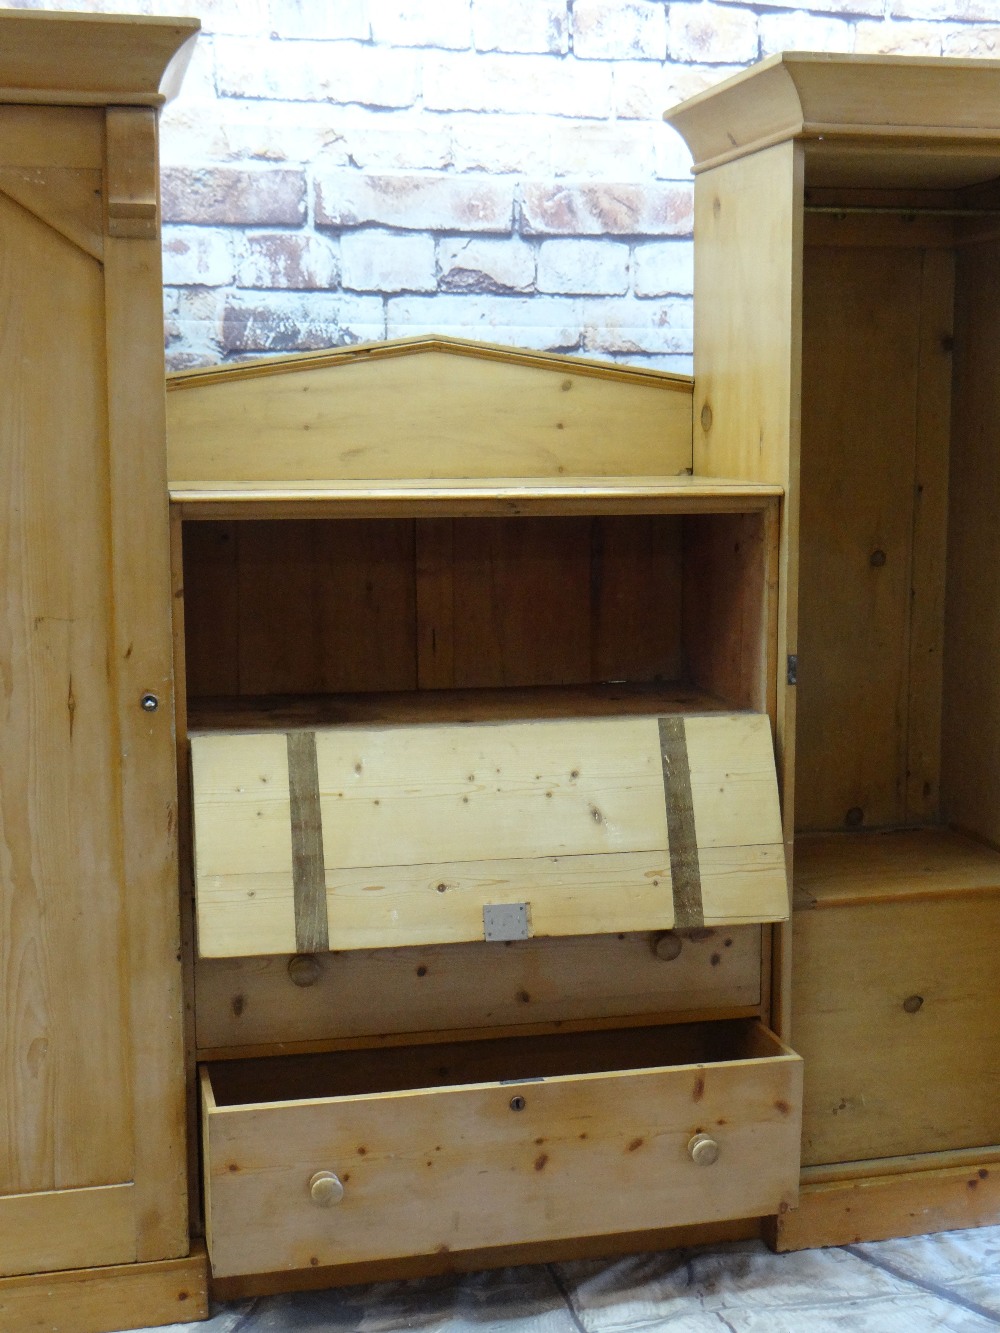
column 395, row 140
column 521, row 25
column 317, row 72
column 578, row 267
column 234, row 195
column 193, row 326
column 518, row 83
column 199, row 81
column 976, row 41
column 500, row 144
column 297, row 132
column 606, row 209
column 673, row 157
column 898, row 39
column 847, row 7
column 619, row 30
column 548, row 323
column 333, row 20
column 387, row 261
column 287, row 260
column 618, row 149
column 966, row 11
column 672, row 363
column 663, row 268
column 444, row 23
column 711, row 34
column 197, row 256
column 628, row 326
column 480, row 264
column 286, row 322
column 434, row 203
column 804, row 32
column 643, row 91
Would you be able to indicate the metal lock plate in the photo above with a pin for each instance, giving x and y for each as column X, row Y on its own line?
column 506, row 921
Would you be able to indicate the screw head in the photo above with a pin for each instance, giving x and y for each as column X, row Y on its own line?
column 149, row 703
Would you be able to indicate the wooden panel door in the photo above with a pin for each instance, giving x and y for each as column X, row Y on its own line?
column 91, row 1140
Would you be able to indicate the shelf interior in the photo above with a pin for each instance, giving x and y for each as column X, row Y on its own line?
column 840, row 869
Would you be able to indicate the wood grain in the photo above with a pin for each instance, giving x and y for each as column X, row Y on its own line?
column 883, row 1207
column 251, row 1002
column 612, row 1155
column 434, row 823
column 446, row 409
column 898, row 1043
column 64, row 1109
column 101, row 1300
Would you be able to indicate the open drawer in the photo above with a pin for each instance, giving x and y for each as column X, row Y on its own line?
column 362, row 1155
column 366, row 837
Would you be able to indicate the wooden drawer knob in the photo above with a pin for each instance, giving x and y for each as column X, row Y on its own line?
column 703, row 1150
column 325, row 1189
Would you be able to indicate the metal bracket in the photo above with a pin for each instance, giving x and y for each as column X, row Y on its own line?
column 506, row 921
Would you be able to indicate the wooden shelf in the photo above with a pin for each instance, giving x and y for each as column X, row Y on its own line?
column 839, row 869
column 283, row 712
column 470, row 497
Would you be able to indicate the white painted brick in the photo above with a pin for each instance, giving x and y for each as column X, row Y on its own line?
column 317, row 72
column 578, row 267
column 482, row 264
column 517, row 83
column 500, row 144
column 975, row 41
column 287, row 260
column 672, row 363
column 711, row 34
column 625, row 325
column 619, row 30
column 643, row 90
column 434, row 203
column 673, row 157
column 193, row 326
column 520, row 25
column 444, row 23
column 549, row 323
column 617, row 150
column 968, row 11
column 898, row 39
column 387, row 261
column 395, row 140
column 847, row 7
column 557, row 209
column 804, row 32
column 197, row 256
column 235, row 130
column 663, row 268
column 289, row 322
column 332, row 20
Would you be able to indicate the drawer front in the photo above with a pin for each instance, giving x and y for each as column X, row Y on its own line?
column 474, row 1166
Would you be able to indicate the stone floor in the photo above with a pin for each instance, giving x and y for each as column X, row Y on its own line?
column 945, row 1282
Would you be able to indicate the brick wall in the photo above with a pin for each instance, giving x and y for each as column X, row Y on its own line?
column 347, row 170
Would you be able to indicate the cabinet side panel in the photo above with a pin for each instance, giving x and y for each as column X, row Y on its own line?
column 747, row 352
column 64, row 1117
column 970, row 781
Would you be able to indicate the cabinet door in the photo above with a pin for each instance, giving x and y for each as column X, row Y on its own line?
column 91, row 1141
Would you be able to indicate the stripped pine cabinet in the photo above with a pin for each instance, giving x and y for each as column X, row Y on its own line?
column 484, row 823
column 92, row 1159
column 846, row 279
